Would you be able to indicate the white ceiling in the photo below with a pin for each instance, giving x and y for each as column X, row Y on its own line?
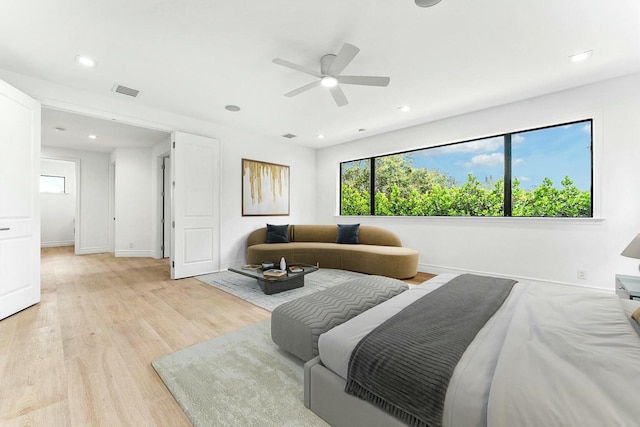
column 68, row 130
column 194, row 57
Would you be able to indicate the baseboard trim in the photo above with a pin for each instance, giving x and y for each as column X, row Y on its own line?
column 134, row 254
column 57, row 244
column 440, row 269
column 89, row 251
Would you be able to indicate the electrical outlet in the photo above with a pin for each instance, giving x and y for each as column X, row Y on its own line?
column 130, row 245
column 582, row 275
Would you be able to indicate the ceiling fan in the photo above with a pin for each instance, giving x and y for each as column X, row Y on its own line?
column 329, row 76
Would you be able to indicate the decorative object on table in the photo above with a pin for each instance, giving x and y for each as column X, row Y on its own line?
column 633, row 249
column 265, row 188
column 246, row 286
column 296, row 269
column 251, row 267
column 274, row 272
column 283, row 264
column 267, row 265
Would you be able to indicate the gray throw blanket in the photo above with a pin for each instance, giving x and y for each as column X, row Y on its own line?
column 404, row 365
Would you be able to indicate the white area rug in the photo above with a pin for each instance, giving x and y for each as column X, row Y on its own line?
column 238, row 379
column 247, row 288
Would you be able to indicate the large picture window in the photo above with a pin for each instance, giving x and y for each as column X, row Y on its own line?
column 534, row 173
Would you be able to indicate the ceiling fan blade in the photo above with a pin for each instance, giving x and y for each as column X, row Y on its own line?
column 343, row 58
column 364, row 80
column 338, row 96
column 302, row 89
column 296, row 67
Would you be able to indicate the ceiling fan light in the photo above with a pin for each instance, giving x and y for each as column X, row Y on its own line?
column 329, row 81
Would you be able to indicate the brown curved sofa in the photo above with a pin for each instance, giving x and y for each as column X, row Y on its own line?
column 379, row 251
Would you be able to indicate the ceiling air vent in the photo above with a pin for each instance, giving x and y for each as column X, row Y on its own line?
column 289, row 135
column 126, row 90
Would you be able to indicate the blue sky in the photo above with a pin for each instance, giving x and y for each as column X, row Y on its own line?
column 552, row 152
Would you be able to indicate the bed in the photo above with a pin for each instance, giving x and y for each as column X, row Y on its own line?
column 550, row 355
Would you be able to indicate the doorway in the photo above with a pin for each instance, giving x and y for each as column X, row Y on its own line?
column 59, row 219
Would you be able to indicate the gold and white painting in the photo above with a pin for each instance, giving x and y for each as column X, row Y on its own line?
column 265, row 188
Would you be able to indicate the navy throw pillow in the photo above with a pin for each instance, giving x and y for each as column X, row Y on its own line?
column 277, row 233
column 348, row 233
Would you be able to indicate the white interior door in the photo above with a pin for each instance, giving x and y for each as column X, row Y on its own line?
column 19, row 200
column 195, row 196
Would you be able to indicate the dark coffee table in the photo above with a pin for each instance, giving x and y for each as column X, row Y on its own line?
column 274, row 285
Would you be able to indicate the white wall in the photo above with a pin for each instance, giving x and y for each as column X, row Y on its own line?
column 58, row 209
column 539, row 249
column 302, row 181
column 93, row 226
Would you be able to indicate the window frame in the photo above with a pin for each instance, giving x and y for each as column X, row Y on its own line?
column 507, row 147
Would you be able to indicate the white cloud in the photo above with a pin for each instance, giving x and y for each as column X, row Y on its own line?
column 524, row 178
column 477, row 146
column 517, row 161
column 517, row 138
column 486, row 160
column 587, row 128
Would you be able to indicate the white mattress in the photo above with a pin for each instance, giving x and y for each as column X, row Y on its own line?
column 511, row 349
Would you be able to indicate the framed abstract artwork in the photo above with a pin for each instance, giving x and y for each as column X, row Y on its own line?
column 265, row 188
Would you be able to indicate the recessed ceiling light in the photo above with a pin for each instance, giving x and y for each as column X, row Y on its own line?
column 86, row 61
column 582, row 56
column 233, row 108
column 92, row 136
column 329, row 81
column 58, row 129
column 404, row 108
column 320, row 136
column 361, row 130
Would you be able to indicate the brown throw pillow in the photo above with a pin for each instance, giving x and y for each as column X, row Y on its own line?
column 636, row 315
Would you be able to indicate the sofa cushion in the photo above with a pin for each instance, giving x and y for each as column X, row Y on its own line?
column 348, row 234
column 277, row 233
column 315, row 233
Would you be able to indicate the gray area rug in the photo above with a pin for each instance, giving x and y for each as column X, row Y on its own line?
column 247, row 288
column 238, row 379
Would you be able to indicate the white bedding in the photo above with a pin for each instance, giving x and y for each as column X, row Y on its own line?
column 551, row 355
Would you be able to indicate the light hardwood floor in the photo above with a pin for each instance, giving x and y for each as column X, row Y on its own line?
column 82, row 356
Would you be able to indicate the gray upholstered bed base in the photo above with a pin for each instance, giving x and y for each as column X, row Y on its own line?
column 324, row 394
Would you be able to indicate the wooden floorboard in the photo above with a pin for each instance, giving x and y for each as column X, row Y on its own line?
column 82, row 356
